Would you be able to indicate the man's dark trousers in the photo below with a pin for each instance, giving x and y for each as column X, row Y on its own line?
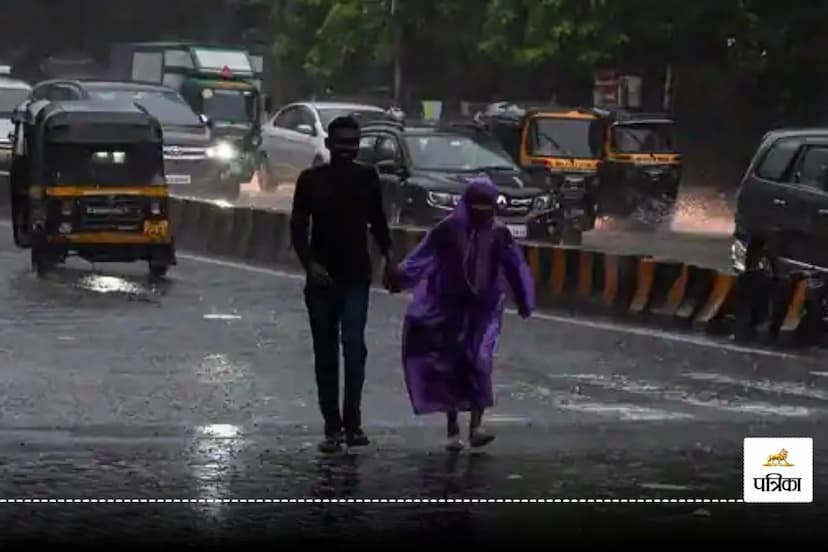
column 339, row 311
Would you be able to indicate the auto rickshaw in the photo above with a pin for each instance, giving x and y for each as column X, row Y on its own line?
column 641, row 169
column 560, row 145
column 87, row 179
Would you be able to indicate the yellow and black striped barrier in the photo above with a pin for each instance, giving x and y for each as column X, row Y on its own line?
column 639, row 289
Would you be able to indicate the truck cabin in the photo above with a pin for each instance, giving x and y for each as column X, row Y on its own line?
column 221, row 84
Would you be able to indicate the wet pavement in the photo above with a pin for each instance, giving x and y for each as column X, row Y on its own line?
column 200, row 388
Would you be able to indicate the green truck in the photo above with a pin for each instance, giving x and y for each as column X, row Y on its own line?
column 223, row 85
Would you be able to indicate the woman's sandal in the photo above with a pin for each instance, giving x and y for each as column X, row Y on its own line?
column 480, row 438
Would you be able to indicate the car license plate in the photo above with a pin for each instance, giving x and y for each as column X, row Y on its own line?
column 178, row 179
column 517, row 230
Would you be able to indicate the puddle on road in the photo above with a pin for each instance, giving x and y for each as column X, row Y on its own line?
column 214, row 467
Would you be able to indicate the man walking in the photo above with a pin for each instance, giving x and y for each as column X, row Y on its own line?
column 340, row 201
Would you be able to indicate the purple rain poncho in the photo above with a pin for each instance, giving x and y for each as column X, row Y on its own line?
column 459, row 272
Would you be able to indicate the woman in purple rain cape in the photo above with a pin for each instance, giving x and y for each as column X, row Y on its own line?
column 459, row 273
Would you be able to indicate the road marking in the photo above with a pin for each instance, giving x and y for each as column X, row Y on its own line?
column 628, row 412
column 371, row 501
column 591, row 324
column 684, row 395
column 766, row 385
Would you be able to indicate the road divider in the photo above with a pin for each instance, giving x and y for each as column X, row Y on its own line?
column 646, row 290
column 749, row 307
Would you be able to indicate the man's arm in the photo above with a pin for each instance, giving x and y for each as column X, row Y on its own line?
column 377, row 218
column 300, row 220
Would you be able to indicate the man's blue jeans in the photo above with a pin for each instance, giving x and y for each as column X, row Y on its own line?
column 339, row 311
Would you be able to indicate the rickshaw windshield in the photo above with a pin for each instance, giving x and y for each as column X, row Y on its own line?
column 644, row 138
column 563, row 137
column 103, row 165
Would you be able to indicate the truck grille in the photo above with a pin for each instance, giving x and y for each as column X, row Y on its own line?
column 111, row 213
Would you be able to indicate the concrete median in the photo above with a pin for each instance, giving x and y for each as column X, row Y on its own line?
column 639, row 289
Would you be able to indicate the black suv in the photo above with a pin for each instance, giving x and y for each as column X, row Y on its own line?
column 782, row 208
column 424, row 170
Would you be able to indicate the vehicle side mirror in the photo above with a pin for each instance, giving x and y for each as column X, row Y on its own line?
column 306, row 129
column 392, row 167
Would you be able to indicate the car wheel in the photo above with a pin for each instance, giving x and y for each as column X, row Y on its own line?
column 158, row 269
column 264, row 176
column 760, row 259
column 42, row 261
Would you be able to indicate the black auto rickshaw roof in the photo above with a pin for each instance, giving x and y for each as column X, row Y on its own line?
column 95, row 121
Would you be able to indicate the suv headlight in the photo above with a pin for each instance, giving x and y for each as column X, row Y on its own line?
column 542, row 202
column 442, row 199
column 223, row 151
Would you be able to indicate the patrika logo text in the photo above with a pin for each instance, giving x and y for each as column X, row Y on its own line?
column 782, row 476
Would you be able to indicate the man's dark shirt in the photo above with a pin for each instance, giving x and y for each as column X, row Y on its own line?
column 338, row 205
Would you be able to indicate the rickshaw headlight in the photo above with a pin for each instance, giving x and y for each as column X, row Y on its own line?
column 66, row 207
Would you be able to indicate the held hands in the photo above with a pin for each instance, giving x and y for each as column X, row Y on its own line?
column 318, row 275
column 389, row 278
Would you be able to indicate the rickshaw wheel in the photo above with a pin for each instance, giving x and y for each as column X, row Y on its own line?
column 158, row 270
column 42, row 262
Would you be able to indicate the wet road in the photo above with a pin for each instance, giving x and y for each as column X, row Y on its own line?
column 201, row 388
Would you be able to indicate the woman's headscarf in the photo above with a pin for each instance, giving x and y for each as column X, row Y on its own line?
column 476, row 232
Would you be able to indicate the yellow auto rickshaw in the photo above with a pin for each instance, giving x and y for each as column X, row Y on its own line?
column 641, row 168
column 87, row 179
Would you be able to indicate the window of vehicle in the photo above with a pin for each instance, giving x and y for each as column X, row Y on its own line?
column 229, row 106
column 643, row 138
column 387, row 149
column 289, row 119
column 557, row 137
column 305, row 117
column 61, row 93
column 10, row 98
column 367, row 152
column 115, row 165
column 813, row 170
column 450, row 152
column 167, row 106
column 328, row 114
column 777, row 159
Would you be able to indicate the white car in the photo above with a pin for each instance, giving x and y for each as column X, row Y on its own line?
column 294, row 139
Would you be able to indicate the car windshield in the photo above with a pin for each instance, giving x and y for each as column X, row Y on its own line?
column 10, row 98
column 644, row 138
column 229, row 106
column 328, row 114
column 167, row 106
column 559, row 137
column 447, row 152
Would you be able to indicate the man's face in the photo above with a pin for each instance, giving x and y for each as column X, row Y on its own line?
column 343, row 144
